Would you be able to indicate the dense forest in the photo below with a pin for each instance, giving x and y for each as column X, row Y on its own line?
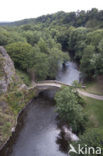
column 42, row 42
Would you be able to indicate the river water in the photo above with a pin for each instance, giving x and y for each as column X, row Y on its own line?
column 69, row 73
column 40, row 135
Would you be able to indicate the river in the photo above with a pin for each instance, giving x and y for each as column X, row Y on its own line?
column 40, row 135
column 69, row 73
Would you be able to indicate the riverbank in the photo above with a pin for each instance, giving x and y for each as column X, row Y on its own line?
column 94, row 87
column 16, row 126
column 11, row 104
column 37, row 132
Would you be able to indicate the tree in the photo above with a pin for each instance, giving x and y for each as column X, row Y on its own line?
column 55, row 56
column 94, row 37
column 4, row 36
column 43, row 46
column 88, row 61
column 15, row 37
column 20, row 52
column 39, row 63
column 99, row 59
column 68, row 106
column 76, row 41
column 32, row 37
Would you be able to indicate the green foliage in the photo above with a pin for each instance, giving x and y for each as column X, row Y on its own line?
column 4, row 35
column 92, row 18
column 36, row 45
column 15, row 37
column 20, row 53
column 7, row 37
column 39, row 63
column 40, row 54
column 18, row 99
column 68, row 106
column 31, row 37
column 87, row 61
column 14, row 100
column 24, row 77
column 76, row 84
column 49, row 35
column 55, row 56
column 91, row 138
column 6, row 128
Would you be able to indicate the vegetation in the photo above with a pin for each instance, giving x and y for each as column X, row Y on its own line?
column 20, row 54
column 11, row 103
column 43, row 39
column 94, row 111
column 70, row 110
column 91, row 139
column 76, row 84
column 31, row 58
column 7, row 120
column 24, row 77
column 67, row 103
column 94, row 87
column 91, row 18
column 37, row 46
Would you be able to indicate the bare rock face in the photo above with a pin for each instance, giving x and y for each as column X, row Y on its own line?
column 7, row 71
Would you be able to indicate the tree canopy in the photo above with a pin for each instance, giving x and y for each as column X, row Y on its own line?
column 79, row 34
column 70, row 110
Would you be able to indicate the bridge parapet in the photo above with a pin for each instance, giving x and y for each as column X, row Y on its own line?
column 53, row 81
column 49, row 84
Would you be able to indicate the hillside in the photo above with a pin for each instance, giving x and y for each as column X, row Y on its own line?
column 91, row 18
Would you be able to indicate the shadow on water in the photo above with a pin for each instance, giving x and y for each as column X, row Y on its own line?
column 62, row 142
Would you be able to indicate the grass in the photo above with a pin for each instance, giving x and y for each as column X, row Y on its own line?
column 10, row 105
column 24, row 77
column 94, row 110
column 7, row 120
column 94, row 87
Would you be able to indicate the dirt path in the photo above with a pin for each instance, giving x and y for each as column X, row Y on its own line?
column 98, row 97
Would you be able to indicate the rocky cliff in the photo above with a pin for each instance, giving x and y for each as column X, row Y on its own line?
column 14, row 95
column 7, row 71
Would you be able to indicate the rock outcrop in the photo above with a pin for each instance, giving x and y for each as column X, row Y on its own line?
column 7, row 71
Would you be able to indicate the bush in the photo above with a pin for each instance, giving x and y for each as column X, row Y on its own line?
column 91, row 138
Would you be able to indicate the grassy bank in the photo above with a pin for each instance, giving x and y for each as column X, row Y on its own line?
column 24, row 77
column 94, row 110
column 95, row 87
column 12, row 103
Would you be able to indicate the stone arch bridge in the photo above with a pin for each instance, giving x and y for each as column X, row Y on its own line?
column 49, row 84
column 54, row 84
